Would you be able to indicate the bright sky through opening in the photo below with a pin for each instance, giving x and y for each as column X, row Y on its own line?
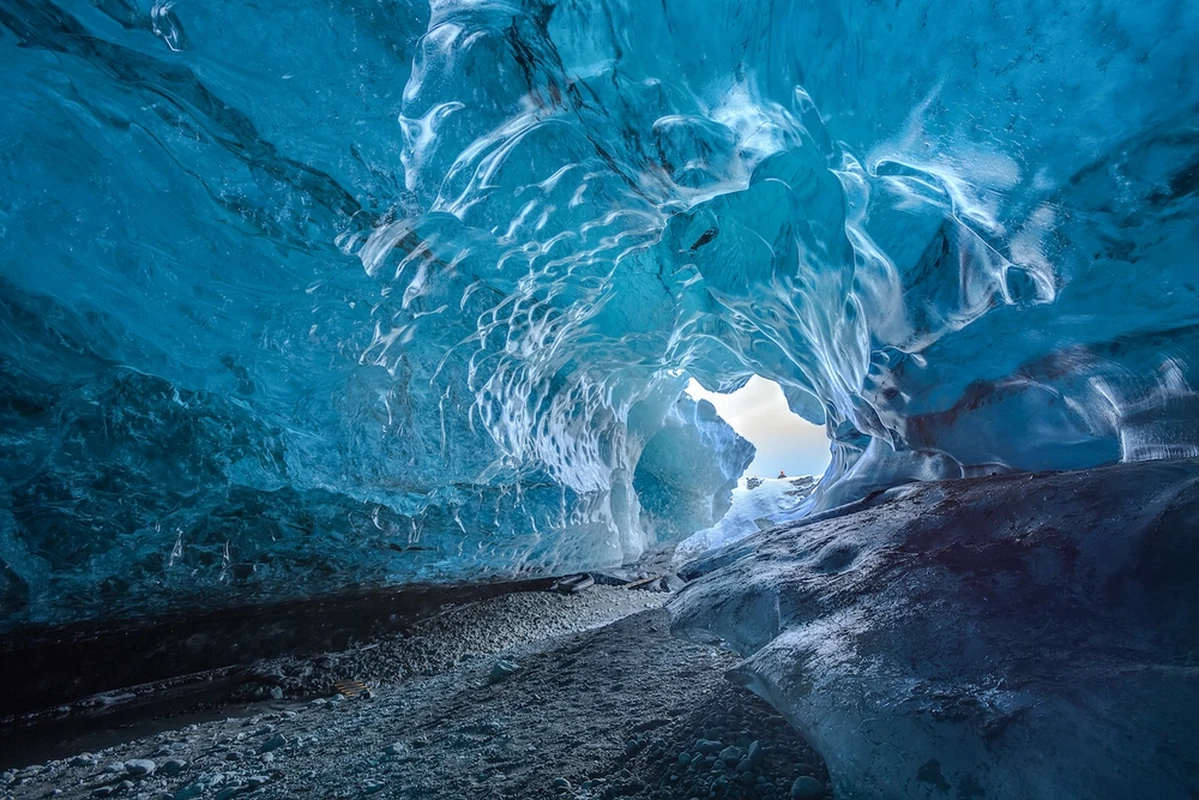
column 758, row 411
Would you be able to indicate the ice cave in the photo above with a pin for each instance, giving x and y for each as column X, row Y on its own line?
column 369, row 374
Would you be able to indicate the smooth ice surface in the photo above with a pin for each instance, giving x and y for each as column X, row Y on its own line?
column 299, row 294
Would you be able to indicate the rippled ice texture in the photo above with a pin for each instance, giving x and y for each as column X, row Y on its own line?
column 301, row 293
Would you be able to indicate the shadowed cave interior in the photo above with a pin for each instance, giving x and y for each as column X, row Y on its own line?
column 394, row 396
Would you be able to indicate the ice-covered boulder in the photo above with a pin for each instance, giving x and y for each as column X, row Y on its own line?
column 1030, row 636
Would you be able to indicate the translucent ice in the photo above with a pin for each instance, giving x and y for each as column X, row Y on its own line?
column 302, row 294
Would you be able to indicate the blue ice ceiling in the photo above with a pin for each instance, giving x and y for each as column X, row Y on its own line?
column 297, row 295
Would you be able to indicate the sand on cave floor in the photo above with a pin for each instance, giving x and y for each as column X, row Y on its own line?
column 603, row 703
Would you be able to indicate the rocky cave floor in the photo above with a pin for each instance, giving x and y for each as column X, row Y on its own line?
column 525, row 695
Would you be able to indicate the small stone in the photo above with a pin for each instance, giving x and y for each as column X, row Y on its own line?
column 140, row 767
column 103, row 791
column 747, row 779
column 731, row 755
column 395, row 749
column 276, row 692
column 708, row 747
column 83, row 760
column 372, row 785
column 273, row 743
column 116, row 766
column 684, row 759
column 125, row 786
column 172, row 766
column 7, row 777
column 337, row 698
column 562, row 784
column 254, row 781
column 501, row 670
column 806, row 788
column 755, row 754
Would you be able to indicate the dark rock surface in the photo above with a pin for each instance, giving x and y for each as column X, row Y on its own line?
column 1022, row 636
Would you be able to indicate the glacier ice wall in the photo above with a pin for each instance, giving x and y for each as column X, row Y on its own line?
column 298, row 294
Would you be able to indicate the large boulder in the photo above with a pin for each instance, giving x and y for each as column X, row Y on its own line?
column 1019, row 636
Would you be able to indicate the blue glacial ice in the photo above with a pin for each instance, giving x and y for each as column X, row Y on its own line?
column 297, row 295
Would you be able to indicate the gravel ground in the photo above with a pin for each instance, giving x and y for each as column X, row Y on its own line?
column 524, row 696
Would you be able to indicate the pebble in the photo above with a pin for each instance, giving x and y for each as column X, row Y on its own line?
column 708, row 747
column 806, row 788
column 395, row 749
column 755, row 754
column 83, row 760
column 103, row 791
column 125, row 786
column 200, row 785
column 173, row 766
column 116, row 766
column 140, row 767
column 7, row 777
column 684, row 759
column 254, row 781
column 273, row 743
column 562, row 784
column 731, row 755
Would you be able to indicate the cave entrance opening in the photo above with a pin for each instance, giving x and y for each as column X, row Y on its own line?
column 785, row 441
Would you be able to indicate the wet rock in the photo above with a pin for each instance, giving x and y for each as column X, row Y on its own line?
column 501, row 670
column 806, row 787
column 83, row 760
column 140, row 767
column 731, row 755
column 708, row 747
column 395, row 749
column 172, row 766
